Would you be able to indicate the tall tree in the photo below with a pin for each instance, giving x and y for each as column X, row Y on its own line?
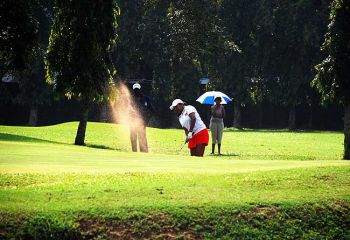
column 155, row 38
column 333, row 73
column 33, row 89
column 78, row 58
column 190, row 27
column 278, row 42
column 24, row 59
column 290, row 32
column 169, row 40
column 236, row 60
column 18, row 30
column 129, row 57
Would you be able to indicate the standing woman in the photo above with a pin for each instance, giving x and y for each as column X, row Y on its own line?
column 196, row 132
column 217, row 124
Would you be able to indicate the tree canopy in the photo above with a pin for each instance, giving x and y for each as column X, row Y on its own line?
column 18, row 29
column 333, row 73
column 261, row 53
column 78, row 60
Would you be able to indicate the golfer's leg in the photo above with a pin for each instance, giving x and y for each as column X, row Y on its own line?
column 143, row 139
column 193, row 151
column 133, row 139
column 200, row 150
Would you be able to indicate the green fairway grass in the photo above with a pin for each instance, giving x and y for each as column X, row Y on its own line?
column 270, row 184
column 237, row 144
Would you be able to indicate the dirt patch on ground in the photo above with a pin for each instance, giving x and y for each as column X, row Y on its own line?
column 325, row 177
column 264, row 212
column 341, row 206
column 155, row 226
column 268, row 211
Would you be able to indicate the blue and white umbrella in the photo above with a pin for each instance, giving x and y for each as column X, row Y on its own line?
column 209, row 97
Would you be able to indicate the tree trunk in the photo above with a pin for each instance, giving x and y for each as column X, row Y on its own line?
column 260, row 115
column 237, row 114
column 103, row 112
column 33, row 116
column 80, row 138
column 291, row 121
column 310, row 121
column 347, row 132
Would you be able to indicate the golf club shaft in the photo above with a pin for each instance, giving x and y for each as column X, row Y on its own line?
column 182, row 146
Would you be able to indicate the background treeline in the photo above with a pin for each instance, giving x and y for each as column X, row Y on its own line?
column 262, row 53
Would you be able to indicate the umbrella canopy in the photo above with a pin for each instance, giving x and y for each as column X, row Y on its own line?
column 209, row 97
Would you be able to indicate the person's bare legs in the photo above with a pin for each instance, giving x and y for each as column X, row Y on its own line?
column 193, row 151
column 200, row 148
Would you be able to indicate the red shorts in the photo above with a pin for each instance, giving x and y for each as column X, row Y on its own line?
column 201, row 137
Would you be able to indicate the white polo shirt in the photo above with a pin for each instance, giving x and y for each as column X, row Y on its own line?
column 185, row 119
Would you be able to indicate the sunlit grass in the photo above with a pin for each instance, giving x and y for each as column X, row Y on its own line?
column 106, row 193
column 43, row 174
column 46, row 158
column 237, row 144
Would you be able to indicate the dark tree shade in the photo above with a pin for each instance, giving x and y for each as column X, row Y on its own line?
column 33, row 89
column 34, row 92
column 333, row 74
column 78, row 61
column 17, row 33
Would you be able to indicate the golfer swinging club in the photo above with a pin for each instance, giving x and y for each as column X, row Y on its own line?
column 196, row 132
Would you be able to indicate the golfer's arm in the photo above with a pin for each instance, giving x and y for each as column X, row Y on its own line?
column 186, row 131
column 193, row 121
column 223, row 112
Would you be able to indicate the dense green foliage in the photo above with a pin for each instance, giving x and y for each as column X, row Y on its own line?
column 24, row 42
column 78, row 60
column 332, row 78
column 51, row 188
column 82, row 35
column 255, row 51
column 33, row 89
column 18, row 30
column 258, row 52
column 262, row 222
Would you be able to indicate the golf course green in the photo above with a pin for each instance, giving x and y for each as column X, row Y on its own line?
column 268, row 184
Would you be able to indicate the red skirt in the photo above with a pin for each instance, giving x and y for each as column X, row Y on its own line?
column 201, row 137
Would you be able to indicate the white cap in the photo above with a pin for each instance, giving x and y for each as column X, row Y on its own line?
column 175, row 103
column 136, row 85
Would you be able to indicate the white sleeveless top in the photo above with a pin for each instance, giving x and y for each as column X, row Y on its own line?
column 185, row 119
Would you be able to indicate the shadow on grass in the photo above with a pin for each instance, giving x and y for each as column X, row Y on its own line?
column 225, row 155
column 19, row 138
column 276, row 130
column 102, row 147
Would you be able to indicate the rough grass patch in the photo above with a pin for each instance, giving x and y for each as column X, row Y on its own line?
column 150, row 226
